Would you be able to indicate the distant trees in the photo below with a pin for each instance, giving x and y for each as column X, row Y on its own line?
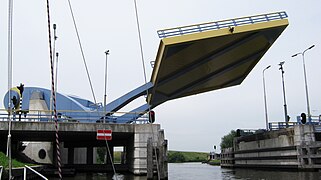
column 176, row 157
column 227, row 140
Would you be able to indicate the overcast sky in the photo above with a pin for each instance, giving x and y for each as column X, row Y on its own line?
column 195, row 123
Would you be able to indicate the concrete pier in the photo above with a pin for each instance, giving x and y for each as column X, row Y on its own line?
column 298, row 147
column 78, row 142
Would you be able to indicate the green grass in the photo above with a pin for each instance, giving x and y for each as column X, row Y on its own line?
column 117, row 157
column 4, row 161
column 180, row 156
column 214, row 162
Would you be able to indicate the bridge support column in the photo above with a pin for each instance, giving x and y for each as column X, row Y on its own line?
column 71, row 155
column 141, row 154
column 90, row 153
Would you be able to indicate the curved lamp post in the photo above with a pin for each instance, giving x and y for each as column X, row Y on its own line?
column 305, row 79
column 265, row 105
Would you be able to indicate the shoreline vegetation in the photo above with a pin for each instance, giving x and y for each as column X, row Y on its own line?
column 15, row 163
column 184, row 157
column 173, row 157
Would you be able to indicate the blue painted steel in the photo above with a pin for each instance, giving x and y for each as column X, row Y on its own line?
column 221, row 24
column 127, row 98
column 76, row 109
column 136, row 113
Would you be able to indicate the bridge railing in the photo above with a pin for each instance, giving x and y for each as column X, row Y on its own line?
column 315, row 120
column 74, row 116
column 36, row 172
column 221, row 24
column 281, row 125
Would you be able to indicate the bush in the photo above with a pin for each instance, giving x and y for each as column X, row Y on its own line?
column 227, row 140
column 176, row 157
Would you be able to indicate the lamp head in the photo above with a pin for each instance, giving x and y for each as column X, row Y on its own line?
column 311, row 46
column 295, row 55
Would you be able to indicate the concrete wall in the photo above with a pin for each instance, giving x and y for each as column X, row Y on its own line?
column 33, row 148
column 294, row 147
column 267, row 149
column 133, row 137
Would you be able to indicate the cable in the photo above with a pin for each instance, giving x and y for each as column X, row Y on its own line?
column 82, row 52
column 140, row 42
column 84, row 60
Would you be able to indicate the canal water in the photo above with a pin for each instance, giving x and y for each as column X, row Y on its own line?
column 198, row 171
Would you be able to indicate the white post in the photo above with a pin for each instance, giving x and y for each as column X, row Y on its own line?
column 10, row 24
column 1, row 167
column 24, row 173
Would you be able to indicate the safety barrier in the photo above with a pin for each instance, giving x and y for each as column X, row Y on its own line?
column 221, row 24
column 36, row 172
column 76, row 116
column 281, row 125
column 315, row 120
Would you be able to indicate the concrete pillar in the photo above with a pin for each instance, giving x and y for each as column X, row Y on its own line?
column 71, row 154
column 150, row 163
column 163, row 174
column 90, row 151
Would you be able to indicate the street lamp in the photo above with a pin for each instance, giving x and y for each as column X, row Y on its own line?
column 305, row 80
column 105, row 95
column 285, row 107
column 265, row 105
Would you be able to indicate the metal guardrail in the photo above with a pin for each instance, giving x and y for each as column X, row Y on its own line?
column 221, row 24
column 315, row 120
column 73, row 116
column 281, row 125
column 36, row 172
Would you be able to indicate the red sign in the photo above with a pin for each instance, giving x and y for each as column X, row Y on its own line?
column 104, row 134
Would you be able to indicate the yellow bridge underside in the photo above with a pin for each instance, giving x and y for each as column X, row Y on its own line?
column 205, row 61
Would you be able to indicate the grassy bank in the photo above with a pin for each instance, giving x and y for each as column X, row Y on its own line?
column 4, row 161
column 214, row 162
column 180, row 156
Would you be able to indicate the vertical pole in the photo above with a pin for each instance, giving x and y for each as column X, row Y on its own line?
column 306, row 89
column 54, row 49
column 56, row 74
column 265, row 103
column 284, row 99
column 105, row 95
column 305, row 80
column 10, row 24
